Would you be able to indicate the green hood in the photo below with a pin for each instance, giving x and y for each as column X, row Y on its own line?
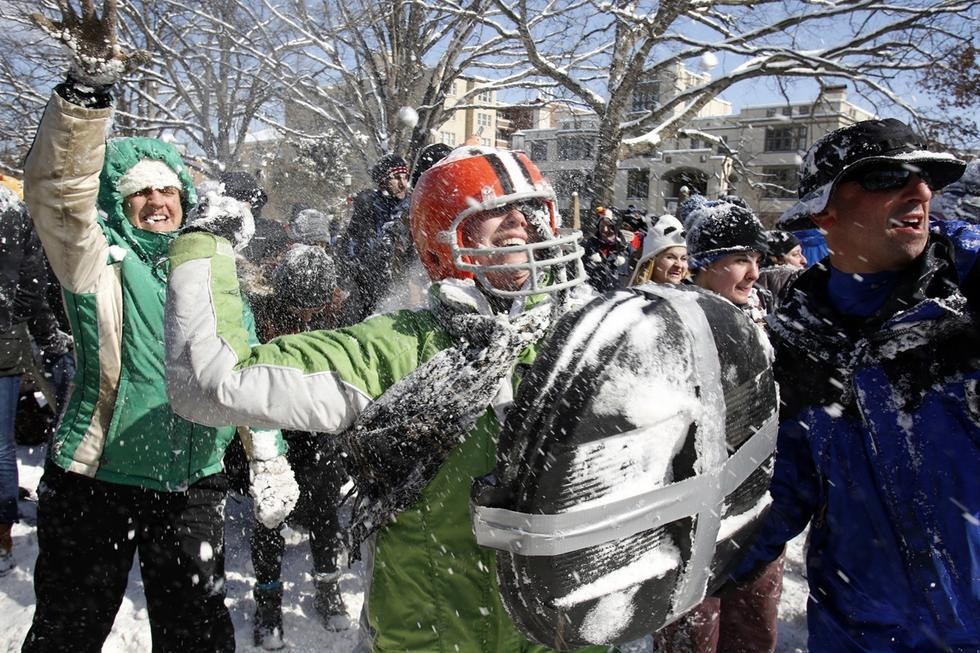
column 121, row 154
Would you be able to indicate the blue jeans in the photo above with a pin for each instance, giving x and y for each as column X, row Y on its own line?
column 9, row 388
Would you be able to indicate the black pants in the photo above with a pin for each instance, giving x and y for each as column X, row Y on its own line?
column 88, row 531
column 320, row 475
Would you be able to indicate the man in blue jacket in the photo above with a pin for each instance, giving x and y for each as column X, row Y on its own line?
column 877, row 359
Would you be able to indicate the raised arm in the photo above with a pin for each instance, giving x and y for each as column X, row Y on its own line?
column 61, row 174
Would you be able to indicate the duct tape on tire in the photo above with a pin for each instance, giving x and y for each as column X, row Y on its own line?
column 633, row 467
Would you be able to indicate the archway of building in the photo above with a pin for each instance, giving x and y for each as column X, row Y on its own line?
column 696, row 180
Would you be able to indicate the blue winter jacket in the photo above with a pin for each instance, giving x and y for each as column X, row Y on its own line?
column 879, row 450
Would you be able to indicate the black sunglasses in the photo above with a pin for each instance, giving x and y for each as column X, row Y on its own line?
column 885, row 179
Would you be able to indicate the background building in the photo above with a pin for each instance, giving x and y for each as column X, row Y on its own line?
column 754, row 153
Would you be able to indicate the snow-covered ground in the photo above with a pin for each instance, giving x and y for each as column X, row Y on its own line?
column 131, row 632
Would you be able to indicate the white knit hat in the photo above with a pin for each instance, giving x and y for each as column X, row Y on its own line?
column 148, row 173
column 665, row 231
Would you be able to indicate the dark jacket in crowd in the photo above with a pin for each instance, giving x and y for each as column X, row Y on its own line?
column 777, row 280
column 371, row 247
column 607, row 264
column 24, row 309
column 878, row 448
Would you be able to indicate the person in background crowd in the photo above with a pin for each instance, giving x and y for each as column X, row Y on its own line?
column 607, row 255
column 24, row 313
column 404, row 387
column 876, row 359
column 785, row 249
column 406, row 280
column 683, row 194
column 796, row 220
column 376, row 212
column 125, row 475
column 664, row 258
column 303, row 287
column 726, row 245
column 270, row 237
column 310, row 227
column 315, row 228
column 244, row 187
column 786, row 261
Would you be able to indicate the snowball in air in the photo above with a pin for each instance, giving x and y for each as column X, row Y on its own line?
column 408, row 116
column 708, row 61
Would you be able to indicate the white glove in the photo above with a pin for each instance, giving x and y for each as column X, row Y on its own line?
column 274, row 490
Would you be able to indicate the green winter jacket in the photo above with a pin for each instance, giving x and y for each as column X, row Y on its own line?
column 432, row 587
column 118, row 426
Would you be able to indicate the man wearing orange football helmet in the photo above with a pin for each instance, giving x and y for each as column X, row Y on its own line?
column 417, row 398
column 489, row 215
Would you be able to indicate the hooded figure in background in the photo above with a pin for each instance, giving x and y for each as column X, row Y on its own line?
column 24, row 315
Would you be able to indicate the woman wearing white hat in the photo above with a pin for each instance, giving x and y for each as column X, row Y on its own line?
column 664, row 258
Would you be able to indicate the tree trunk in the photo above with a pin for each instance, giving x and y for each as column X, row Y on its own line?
column 604, row 171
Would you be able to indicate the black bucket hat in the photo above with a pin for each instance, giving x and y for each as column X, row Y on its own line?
column 867, row 144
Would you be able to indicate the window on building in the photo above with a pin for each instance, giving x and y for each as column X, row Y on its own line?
column 787, row 111
column 785, row 139
column 805, row 111
column 449, row 138
column 770, row 113
column 574, row 148
column 484, row 120
column 538, row 150
column 646, row 96
column 485, row 97
column 485, row 142
column 638, row 184
column 781, row 181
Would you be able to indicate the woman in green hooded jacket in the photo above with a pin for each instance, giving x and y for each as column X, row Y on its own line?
column 125, row 474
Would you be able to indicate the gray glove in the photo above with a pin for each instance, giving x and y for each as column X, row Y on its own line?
column 274, row 490
column 223, row 216
column 97, row 60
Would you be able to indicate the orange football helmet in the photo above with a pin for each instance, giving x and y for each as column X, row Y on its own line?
column 475, row 179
